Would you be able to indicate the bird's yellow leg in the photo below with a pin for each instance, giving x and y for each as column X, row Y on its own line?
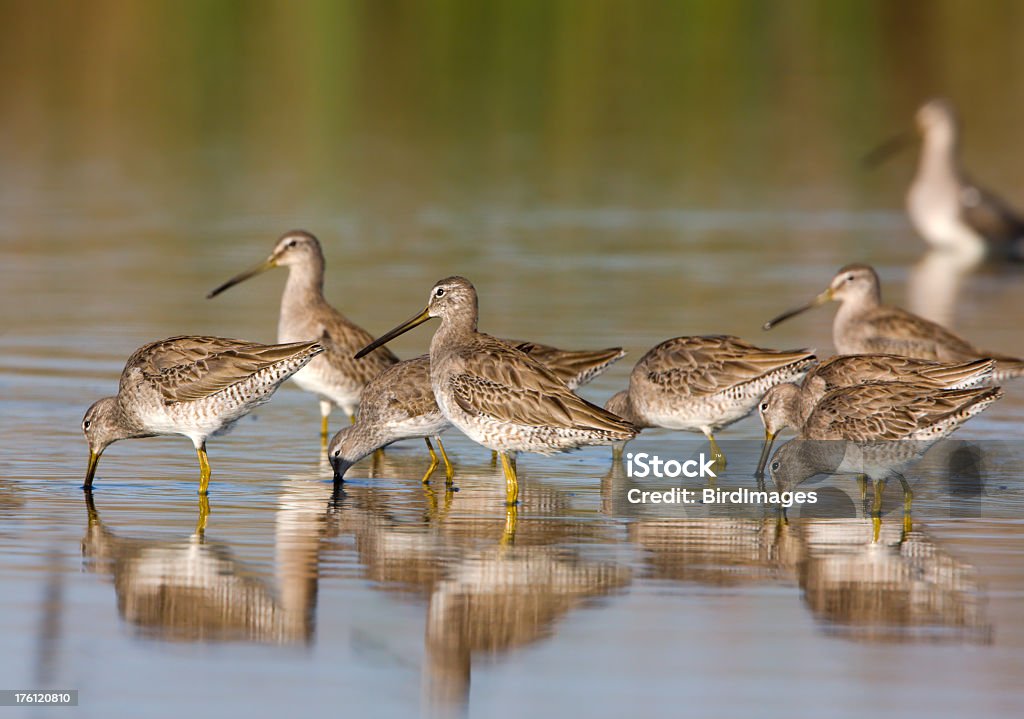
column 908, row 500
column 204, row 469
column 511, row 480
column 908, row 494
column 449, row 471
column 508, row 536
column 862, row 482
column 781, row 519
column 717, row 456
column 431, row 500
column 204, row 512
column 325, row 411
column 494, row 458
column 617, row 450
column 876, row 509
column 433, row 461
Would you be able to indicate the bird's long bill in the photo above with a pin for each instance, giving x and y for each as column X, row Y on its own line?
column 400, row 330
column 769, row 439
column 267, row 264
column 90, row 472
column 816, row 302
column 891, row 147
column 340, row 466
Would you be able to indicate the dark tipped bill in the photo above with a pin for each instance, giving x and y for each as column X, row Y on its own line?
column 769, row 439
column 340, row 466
column 401, row 329
column 262, row 267
column 90, row 472
column 891, row 147
column 816, row 302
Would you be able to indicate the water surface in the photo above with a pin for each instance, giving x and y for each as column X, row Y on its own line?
column 602, row 181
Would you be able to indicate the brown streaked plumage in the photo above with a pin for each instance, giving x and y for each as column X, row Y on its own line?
column 789, row 405
column 704, row 383
column 396, row 404
column 574, row 367
column 194, row 386
column 335, row 377
column 877, row 430
column 863, row 325
column 497, row 395
column 886, row 411
column 399, row 404
column 847, row 370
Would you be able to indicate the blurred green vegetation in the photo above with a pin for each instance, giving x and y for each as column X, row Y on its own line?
column 218, row 107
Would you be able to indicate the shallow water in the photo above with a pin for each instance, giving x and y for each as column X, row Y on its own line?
column 579, row 227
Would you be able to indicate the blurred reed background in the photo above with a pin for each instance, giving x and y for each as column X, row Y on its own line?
column 374, row 114
column 422, row 138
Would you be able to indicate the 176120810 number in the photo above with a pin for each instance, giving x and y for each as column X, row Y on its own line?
column 19, row 697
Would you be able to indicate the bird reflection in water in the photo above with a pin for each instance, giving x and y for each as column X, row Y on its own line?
column 900, row 587
column 861, row 579
column 490, row 584
column 196, row 590
column 801, row 459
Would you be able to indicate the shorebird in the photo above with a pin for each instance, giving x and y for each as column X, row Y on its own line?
column 863, row 325
column 704, row 383
column 396, row 404
column 335, row 377
column 574, row 367
column 194, row 386
column 950, row 211
column 498, row 395
column 338, row 379
column 399, row 404
column 789, row 405
column 875, row 430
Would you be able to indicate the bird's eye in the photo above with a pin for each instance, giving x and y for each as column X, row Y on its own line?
column 291, row 243
column 849, row 278
column 775, row 466
column 86, row 424
column 337, row 453
column 764, row 406
column 439, row 292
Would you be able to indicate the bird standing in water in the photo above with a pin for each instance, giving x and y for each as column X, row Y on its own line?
column 194, row 386
column 498, row 395
column 335, row 377
column 863, row 325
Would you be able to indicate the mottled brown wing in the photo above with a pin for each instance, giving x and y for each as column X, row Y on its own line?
column 343, row 339
column 896, row 331
column 882, row 411
column 505, row 384
column 191, row 368
column 699, row 366
column 402, row 389
column 574, row 367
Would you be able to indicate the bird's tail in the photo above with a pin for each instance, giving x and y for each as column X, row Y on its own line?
column 964, row 375
column 1007, row 367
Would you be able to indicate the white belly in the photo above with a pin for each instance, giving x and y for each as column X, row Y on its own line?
column 936, row 217
column 314, row 378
